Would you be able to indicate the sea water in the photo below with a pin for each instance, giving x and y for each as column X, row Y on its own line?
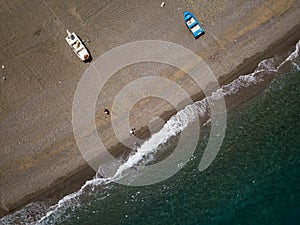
column 255, row 178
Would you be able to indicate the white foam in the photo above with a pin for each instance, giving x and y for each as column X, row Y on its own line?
column 72, row 201
column 294, row 54
column 293, row 58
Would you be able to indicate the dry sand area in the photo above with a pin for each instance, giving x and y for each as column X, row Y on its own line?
column 38, row 153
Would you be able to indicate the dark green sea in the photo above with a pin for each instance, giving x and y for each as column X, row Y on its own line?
column 255, row 178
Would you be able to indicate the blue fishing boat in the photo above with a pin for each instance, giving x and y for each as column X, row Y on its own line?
column 193, row 24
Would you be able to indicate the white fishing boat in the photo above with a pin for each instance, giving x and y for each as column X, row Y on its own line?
column 77, row 46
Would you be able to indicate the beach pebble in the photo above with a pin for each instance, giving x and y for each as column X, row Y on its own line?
column 3, row 78
column 59, row 82
column 3, row 66
column 162, row 4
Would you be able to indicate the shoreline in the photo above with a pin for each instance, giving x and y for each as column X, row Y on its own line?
column 84, row 173
column 72, row 179
column 288, row 41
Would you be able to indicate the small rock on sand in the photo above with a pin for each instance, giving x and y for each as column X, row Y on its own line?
column 162, row 4
column 3, row 78
column 3, row 66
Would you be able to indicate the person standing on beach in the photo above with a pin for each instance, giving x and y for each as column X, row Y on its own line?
column 132, row 131
column 106, row 111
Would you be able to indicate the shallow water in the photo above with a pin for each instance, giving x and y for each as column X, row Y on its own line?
column 255, row 178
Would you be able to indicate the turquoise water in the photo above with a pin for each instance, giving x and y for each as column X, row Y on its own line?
column 255, row 178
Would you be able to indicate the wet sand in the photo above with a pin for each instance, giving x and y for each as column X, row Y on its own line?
column 39, row 157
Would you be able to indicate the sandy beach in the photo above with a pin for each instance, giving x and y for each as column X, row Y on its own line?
column 38, row 155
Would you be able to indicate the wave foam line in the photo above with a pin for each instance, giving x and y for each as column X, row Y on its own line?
column 293, row 57
column 71, row 201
